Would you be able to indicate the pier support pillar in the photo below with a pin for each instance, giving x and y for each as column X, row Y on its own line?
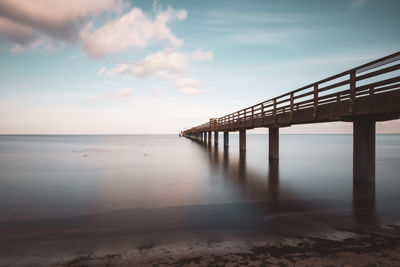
column 273, row 136
column 216, row 138
column 226, row 139
column 364, row 151
column 209, row 138
column 242, row 140
column 204, row 137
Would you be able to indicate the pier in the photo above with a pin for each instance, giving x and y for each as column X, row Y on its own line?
column 362, row 95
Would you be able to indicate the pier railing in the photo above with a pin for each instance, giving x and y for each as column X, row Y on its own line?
column 370, row 79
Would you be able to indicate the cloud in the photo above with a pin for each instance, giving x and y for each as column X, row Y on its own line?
column 200, row 55
column 163, row 64
column 189, row 90
column 15, row 32
column 134, row 29
column 170, row 65
column 187, row 82
column 101, row 71
column 188, row 86
column 44, row 23
column 123, row 93
column 59, row 20
column 358, row 3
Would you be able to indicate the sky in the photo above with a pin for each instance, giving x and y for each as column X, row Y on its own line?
column 153, row 67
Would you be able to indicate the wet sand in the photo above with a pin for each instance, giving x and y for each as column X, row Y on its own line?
column 206, row 235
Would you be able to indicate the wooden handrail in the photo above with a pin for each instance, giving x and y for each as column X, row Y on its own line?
column 293, row 100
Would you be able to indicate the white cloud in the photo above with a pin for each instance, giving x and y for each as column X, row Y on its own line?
column 168, row 65
column 134, row 29
column 189, row 90
column 123, row 93
column 200, row 55
column 101, row 71
column 163, row 64
column 44, row 23
column 187, row 82
column 188, row 86
column 60, row 20
column 158, row 92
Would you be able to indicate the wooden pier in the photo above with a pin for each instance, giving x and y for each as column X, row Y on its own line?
column 362, row 95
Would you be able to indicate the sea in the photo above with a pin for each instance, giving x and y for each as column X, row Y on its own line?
column 58, row 186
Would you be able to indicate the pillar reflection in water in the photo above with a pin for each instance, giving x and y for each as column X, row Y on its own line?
column 242, row 167
column 273, row 180
column 226, row 159
column 364, row 211
column 249, row 182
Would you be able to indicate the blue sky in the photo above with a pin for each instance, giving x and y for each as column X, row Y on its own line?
column 117, row 66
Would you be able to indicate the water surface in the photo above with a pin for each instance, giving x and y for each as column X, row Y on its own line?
column 133, row 180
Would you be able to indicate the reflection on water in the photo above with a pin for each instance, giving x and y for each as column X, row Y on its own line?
column 363, row 199
column 273, row 180
column 149, row 183
column 364, row 204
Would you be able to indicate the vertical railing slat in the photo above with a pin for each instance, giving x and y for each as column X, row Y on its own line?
column 291, row 105
column 352, row 90
column 315, row 100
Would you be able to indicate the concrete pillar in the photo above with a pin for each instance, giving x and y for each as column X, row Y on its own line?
column 226, row 139
column 205, row 137
column 209, row 138
column 242, row 140
column 273, row 143
column 216, row 138
column 364, row 151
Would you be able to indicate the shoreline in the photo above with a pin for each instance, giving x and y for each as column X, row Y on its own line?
column 200, row 235
column 376, row 245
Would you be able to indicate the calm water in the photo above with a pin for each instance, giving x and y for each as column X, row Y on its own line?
column 64, row 176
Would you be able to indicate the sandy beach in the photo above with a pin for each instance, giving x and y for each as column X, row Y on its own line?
column 136, row 237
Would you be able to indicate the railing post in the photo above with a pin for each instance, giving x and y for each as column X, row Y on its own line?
column 315, row 100
column 352, row 90
column 252, row 116
column 291, row 106
column 262, row 112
